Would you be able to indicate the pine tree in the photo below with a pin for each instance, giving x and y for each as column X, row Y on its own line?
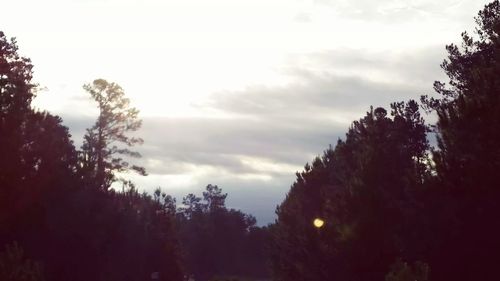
column 35, row 149
column 16, row 93
column 468, row 156
column 101, row 154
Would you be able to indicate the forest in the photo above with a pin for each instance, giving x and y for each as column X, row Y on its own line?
column 396, row 199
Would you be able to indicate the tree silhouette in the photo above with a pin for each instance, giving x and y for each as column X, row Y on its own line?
column 220, row 242
column 214, row 198
column 387, row 210
column 15, row 267
column 191, row 205
column 36, row 151
column 401, row 271
column 365, row 190
column 16, row 93
column 101, row 150
column 467, row 160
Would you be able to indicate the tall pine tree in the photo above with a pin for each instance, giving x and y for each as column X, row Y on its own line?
column 107, row 141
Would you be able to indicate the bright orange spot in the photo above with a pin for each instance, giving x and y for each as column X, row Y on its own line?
column 318, row 223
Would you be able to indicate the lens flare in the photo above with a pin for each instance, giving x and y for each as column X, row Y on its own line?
column 318, row 223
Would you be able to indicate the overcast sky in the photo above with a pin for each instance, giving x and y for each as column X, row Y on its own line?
column 238, row 93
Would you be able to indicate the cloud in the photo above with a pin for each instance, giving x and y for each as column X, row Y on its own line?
column 394, row 11
column 336, row 85
column 233, row 144
column 317, row 96
column 302, row 17
column 269, row 132
column 241, row 146
column 414, row 67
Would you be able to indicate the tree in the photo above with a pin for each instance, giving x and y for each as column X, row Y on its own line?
column 469, row 106
column 168, row 202
column 220, row 242
column 365, row 190
column 36, row 151
column 466, row 190
column 214, row 198
column 101, row 153
column 401, row 271
column 191, row 205
column 15, row 267
column 16, row 93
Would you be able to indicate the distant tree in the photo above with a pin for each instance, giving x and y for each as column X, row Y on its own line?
column 191, row 205
column 167, row 202
column 218, row 242
column 466, row 191
column 15, row 267
column 214, row 198
column 101, row 153
column 401, row 271
column 256, row 252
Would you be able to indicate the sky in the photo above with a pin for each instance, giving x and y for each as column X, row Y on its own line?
column 237, row 93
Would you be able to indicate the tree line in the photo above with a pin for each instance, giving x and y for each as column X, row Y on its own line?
column 390, row 205
column 395, row 208
column 63, row 216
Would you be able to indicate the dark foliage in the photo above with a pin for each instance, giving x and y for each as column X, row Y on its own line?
column 15, row 267
column 366, row 191
column 47, row 210
column 388, row 210
column 380, row 205
column 57, row 204
column 466, row 191
column 217, row 241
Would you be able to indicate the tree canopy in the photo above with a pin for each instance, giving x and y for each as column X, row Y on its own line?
column 365, row 191
column 220, row 242
column 468, row 154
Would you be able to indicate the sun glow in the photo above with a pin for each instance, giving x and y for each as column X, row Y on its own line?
column 318, row 223
column 170, row 56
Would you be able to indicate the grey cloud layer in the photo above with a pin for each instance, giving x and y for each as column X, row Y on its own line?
column 220, row 143
column 284, row 125
column 317, row 96
column 319, row 91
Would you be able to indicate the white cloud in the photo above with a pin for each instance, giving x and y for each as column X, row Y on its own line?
column 235, row 93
